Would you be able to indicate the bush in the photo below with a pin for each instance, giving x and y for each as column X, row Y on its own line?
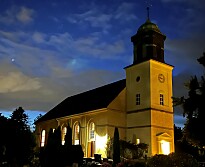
column 159, row 161
column 140, row 164
column 183, row 160
column 172, row 160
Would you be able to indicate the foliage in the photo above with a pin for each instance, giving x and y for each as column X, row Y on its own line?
column 131, row 150
column 182, row 146
column 182, row 160
column 68, row 146
column 106, row 164
column 140, row 164
column 51, row 155
column 56, row 154
column 194, row 110
column 116, row 147
column 177, row 133
column 37, row 118
column 68, row 136
column 159, row 160
column 127, row 149
column 172, row 160
column 17, row 141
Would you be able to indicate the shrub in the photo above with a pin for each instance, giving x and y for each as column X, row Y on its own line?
column 173, row 160
column 140, row 164
column 159, row 161
column 183, row 160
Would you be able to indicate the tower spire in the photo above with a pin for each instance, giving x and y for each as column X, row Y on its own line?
column 148, row 13
column 148, row 8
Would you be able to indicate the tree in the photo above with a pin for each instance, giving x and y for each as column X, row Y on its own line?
column 116, row 147
column 177, row 133
column 3, row 139
column 51, row 155
column 17, row 139
column 68, row 136
column 194, row 110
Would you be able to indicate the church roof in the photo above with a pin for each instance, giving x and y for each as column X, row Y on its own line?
column 90, row 100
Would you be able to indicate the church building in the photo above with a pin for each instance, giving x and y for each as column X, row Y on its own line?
column 140, row 105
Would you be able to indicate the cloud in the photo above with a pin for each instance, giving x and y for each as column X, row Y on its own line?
column 185, row 51
column 25, row 15
column 101, row 20
column 97, row 16
column 15, row 14
column 38, row 37
column 16, row 81
column 102, row 50
column 93, row 18
column 47, row 69
column 195, row 3
column 124, row 12
column 53, row 90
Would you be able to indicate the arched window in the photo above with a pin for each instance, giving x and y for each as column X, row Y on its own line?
column 91, row 139
column 64, row 131
column 43, row 138
column 76, row 134
column 92, row 131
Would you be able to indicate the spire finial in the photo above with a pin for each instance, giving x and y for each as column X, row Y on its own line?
column 148, row 7
column 147, row 12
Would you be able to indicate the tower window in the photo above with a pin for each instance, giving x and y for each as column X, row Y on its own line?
column 137, row 99
column 161, row 99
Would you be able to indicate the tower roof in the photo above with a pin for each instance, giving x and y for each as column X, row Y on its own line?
column 147, row 26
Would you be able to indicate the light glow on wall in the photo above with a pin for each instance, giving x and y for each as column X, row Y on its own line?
column 165, row 147
column 101, row 143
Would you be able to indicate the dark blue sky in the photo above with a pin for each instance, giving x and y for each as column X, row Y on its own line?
column 52, row 49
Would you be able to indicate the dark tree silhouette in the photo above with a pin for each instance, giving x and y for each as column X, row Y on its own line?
column 48, row 153
column 194, row 110
column 116, row 147
column 68, row 153
column 3, row 139
column 18, row 141
column 52, row 154
column 68, row 136
column 177, row 133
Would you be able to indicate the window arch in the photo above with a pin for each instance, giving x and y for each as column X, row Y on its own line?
column 92, row 131
column 91, row 139
column 43, row 138
column 76, row 133
column 64, row 131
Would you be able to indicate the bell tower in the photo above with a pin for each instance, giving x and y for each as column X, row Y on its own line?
column 149, row 92
column 148, row 43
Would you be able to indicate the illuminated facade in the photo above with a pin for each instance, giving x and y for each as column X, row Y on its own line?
column 140, row 105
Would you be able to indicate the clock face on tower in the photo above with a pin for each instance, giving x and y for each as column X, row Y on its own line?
column 161, row 78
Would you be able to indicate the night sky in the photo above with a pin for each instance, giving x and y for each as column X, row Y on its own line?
column 51, row 49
